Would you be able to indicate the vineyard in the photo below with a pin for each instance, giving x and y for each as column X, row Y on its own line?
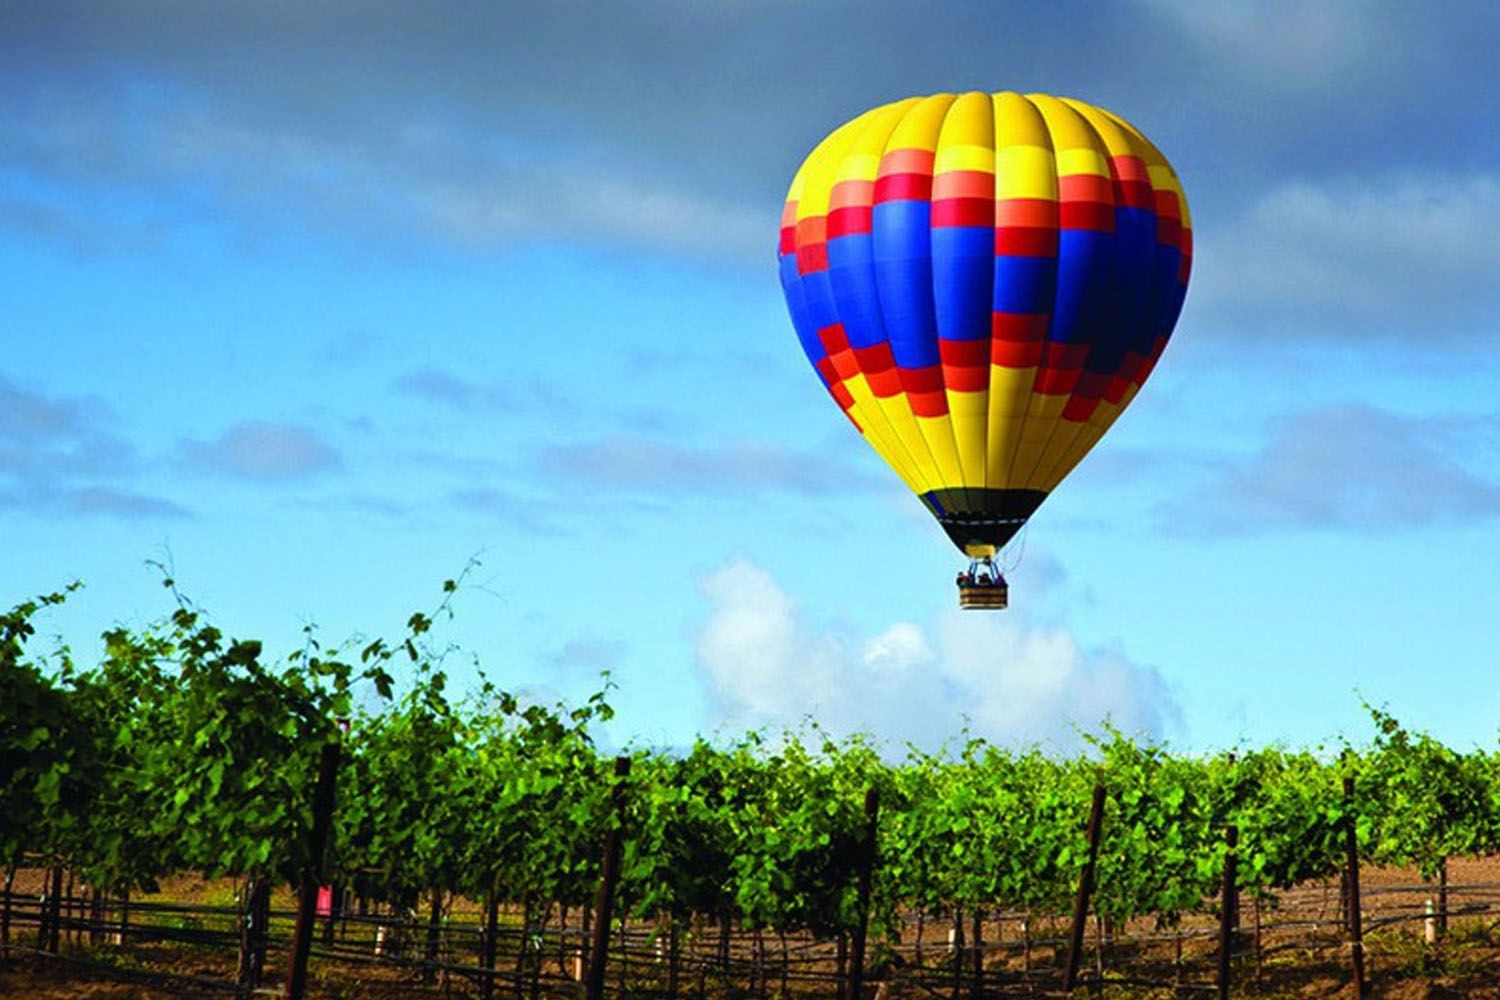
column 415, row 840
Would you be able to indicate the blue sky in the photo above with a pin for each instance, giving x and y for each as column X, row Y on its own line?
column 325, row 301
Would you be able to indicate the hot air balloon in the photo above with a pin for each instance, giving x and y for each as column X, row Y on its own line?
column 983, row 282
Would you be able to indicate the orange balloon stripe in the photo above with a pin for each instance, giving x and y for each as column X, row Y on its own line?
column 964, row 184
column 788, row 242
column 907, row 161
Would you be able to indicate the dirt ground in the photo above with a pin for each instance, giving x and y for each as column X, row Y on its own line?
column 1301, row 953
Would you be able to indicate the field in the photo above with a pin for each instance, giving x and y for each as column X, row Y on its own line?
column 485, row 845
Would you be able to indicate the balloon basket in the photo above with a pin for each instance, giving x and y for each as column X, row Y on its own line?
column 983, row 586
column 991, row 596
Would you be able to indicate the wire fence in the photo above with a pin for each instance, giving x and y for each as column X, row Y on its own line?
column 187, row 949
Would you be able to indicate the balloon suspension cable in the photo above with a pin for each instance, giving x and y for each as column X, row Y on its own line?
column 1020, row 552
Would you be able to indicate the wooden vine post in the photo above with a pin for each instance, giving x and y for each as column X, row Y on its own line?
column 1356, row 935
column 865, row 879
column 609, row 876
column 10, row 881
column 52, row 929
column 312, row 871
column 491, row 933
column 1442, row 899
column 1085, row 890
column 1227, row 908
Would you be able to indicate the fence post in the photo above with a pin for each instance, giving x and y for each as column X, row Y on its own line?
column 976, row 942
column 434, row 936
column 336, row 904
column 1356, row 936
column 312, row 871
column 10, row 881
column 491, row 932
column 96, row 917
column 1442, row 900
column 1085, row 890
column 608, row 876
column 54, row 912
column 1234, row 902
column 1227, row 908
column 865, row 877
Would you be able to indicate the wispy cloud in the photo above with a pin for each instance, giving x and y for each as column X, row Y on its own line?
column 588, row 654
column 384, row 182
column 369, row 504
column 530, row 514
column 526, row 122
column 60, row 456
column 637, row 463
column 1283, row 45
column 91, row 501
column 53, row 436
column 445, row 387
column 762, row 660
column 514, row 395
column 1400, row 256
column 263, row 452
column 1350, row 467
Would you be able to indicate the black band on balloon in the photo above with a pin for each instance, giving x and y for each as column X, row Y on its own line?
column 976, row 516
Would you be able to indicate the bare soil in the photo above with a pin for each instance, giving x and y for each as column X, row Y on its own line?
column 1302, row 953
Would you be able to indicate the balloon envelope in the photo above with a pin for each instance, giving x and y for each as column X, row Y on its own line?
column 983, row 282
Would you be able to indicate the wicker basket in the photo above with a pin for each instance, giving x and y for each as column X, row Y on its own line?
column 991, row 596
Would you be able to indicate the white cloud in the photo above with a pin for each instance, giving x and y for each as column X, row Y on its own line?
column 763, row 662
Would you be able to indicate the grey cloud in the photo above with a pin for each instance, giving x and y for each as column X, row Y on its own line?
column 529, row 514
column 392, row 185
column 361, row 503
column 1351, row 467
column 676, row 127
column 635, row 463
column 519, row 395
column 57, row 451
column 1356, row 256
column 486, row 123
column 92, row 501
column 1282, row 44
column 27, row 415
column 87, row 454
column 445, row 387
column 98, row 500
column 586, row 653
column 351, row 347
column 263, row 452
column 83, row 223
